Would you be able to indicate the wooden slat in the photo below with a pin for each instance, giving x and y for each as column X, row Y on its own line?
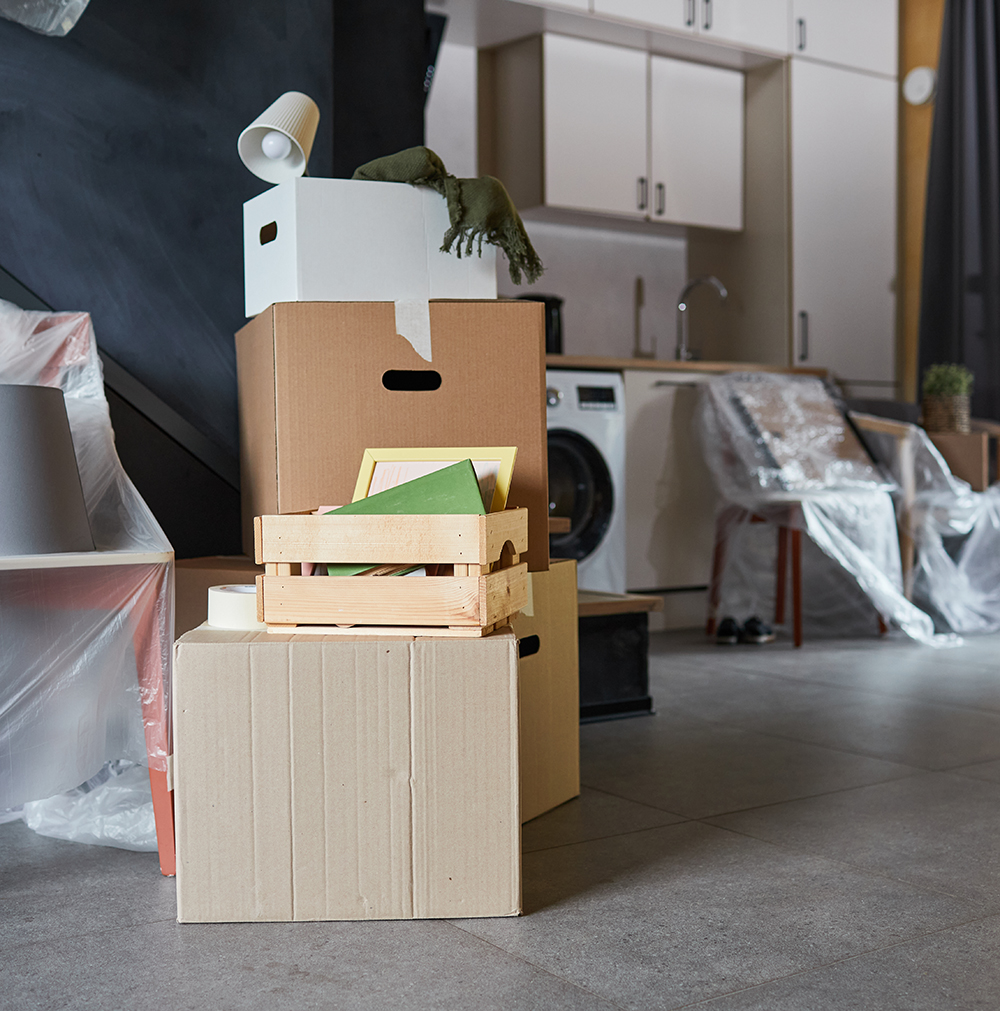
column 382, row 631
column 503, row 593
column 560, row 524
column 390, row 539
column 427, row 600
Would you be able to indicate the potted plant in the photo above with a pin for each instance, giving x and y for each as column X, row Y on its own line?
column 946, row 391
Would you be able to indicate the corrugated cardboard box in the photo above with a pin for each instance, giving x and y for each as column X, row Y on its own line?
column 319, row 382
column 335, row 240
column 193, row 577
column 550, row 691
column 319, row 778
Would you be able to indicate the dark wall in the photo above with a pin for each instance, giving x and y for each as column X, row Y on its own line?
column 120, row 186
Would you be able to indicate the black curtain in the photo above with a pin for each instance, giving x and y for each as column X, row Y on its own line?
column 960, row 291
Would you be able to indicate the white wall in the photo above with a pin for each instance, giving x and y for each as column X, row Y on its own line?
column 593, row 269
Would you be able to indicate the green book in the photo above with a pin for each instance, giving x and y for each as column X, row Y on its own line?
column 452, row 490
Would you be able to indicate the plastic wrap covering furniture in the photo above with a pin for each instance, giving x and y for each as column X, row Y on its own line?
column 85, row 638
column 955, row 533
column 780, row 451
column 50, row 17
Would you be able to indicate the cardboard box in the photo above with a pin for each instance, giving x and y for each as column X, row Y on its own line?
column 550, row 691
column 485, row 583
column 337, row 779
column 341, row 240
column 193, row 577
column 313, row 396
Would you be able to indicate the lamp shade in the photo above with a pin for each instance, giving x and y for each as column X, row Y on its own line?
column 276, row 145
column 41, row 500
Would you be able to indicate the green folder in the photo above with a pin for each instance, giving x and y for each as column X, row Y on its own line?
column 452, row 490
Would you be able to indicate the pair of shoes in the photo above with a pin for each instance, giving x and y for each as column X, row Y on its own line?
column 730, row 633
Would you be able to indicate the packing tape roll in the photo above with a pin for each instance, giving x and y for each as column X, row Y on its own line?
column 234, row 608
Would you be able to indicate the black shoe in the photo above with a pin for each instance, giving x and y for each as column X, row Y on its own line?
column 728, row 632
column 756, row 631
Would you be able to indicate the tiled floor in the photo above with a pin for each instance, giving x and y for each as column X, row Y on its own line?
column 794, row 831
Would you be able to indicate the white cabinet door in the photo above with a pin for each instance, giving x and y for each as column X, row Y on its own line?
column 696, row 144
column 843, row 139
column 595, row 126
column 855, row 33
column 758, row 24
column 669, row 494
column 675, row 15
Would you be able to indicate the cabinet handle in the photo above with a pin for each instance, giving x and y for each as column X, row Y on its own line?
column 642, row 193
column 707, row 11
column 689, row 13
column 800, row 27
column 661, row 198
column 803, row 336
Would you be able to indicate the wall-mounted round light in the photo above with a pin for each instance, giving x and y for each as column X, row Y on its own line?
column 919, row 85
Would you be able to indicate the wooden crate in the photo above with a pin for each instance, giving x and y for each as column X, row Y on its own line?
column 488, row 584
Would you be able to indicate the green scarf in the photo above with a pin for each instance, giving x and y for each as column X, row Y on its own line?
column 479, row 209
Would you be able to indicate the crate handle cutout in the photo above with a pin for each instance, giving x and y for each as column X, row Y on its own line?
column 269, row 233
column 411, row 380
column 528, row 646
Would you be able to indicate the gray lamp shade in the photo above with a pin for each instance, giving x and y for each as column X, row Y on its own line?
column 41, row 500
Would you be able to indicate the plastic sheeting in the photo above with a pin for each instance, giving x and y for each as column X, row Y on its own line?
column 49, row 17
column 84, row 639
column 782, row 454
column 955, row 531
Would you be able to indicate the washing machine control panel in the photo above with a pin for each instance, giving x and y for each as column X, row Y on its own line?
column 596, row 398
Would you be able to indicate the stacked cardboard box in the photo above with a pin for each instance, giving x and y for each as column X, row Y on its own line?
column 382, row 777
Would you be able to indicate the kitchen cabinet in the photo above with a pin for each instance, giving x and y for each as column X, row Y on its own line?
column 595, row 126
column 861, row 34
column 696, row 144
column 585, row 126
column 671, row 500
column 755, row 24
column 843, row 165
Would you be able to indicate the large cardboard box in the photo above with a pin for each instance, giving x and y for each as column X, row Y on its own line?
column 193, row 577
column 334, row 779
column 344, row 240
column 550, row 691
column 315, row 390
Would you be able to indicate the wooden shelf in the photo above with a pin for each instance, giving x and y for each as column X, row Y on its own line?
column 595, row 362
column 590, row 604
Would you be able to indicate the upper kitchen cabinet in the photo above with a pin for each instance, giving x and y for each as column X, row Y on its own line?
column 843, row 165
column 594, row 116
column 853, row 33
column 754, row 24
column 584, row 126
column 696, row 144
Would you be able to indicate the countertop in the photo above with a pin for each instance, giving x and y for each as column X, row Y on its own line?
column 666, row 365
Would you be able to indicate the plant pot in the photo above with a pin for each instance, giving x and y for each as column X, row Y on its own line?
column 946, row 414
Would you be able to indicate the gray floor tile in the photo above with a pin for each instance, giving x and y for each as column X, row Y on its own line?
column 935, row 830
column 232, row 967
column 593, row 815
column 665, row 917
column 989, row 771
column 866, row 722
column 955, row 968
column 695, row 768
column 52, row 889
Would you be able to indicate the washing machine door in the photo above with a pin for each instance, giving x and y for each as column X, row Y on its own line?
column 580, row 487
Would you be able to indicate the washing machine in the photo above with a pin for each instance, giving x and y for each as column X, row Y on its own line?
column 586, row 432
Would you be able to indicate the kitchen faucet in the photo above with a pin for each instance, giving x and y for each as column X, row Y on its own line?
column 683, row 354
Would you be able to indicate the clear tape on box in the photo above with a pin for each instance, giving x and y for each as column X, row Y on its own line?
column 780, row 452
column 73, row 639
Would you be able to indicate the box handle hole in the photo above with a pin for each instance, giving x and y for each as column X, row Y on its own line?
column 528, row 646
column 411, row 379
column 269, row 233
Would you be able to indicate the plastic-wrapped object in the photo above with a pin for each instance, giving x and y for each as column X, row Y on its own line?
column 50, row 17
column 85, row 639
column 114, row 808
column 955, row 532
column 783, row 454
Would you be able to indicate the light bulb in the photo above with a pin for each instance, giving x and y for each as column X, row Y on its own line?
column 276, row 145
